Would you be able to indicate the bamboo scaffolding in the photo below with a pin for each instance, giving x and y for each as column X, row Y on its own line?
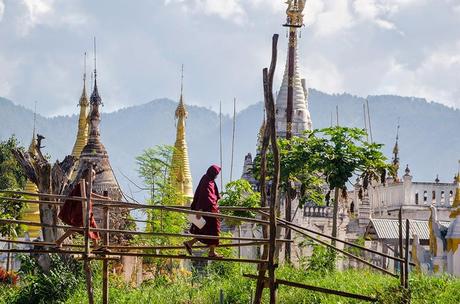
column 317, row 288
column 110, row 203
column 139, row 254
column 184, row 235
column 343, row 252
column 342, row 241
column 127, row 247
column 180, row 210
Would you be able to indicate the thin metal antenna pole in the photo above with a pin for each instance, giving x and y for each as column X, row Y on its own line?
column 220, row 144
column 365, row 122
column 337, row 114
column 369, row 118
column 233, row 139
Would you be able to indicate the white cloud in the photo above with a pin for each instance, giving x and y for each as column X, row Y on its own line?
column 2, row 9
column 376, row 12
column 43, row 12
column 436, row 77
column 333, row 18
column 323, row 74
column 231, row 10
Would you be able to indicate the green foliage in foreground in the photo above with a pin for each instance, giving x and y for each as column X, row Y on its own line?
column 202, row 288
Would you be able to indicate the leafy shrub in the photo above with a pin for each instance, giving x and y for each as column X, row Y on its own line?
column 54, row 286
column 322, row 260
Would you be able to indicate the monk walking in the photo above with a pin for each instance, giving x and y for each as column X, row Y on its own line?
column 205, row 199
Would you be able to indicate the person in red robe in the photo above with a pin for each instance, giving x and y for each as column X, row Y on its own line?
column 71, row 212
column 205, row 199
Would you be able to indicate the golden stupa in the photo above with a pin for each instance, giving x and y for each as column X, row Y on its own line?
column 32, row 211
column 180, row 167
column 83, row 127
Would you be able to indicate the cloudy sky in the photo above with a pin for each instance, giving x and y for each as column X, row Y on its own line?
column 364, row 47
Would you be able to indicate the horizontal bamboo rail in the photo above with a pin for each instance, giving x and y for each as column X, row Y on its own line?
column 115, row 203
column 184, row 235
column 318, row 289
column 341, row 241
column 112, row 255
column 167, row 208
column 45, row 244
column 35, row 251
column 186, row 257
column 344, row 252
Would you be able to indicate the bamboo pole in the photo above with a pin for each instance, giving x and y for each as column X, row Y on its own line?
column 318, row 289
column 112, row 255
column 233, row 139
column 112, row 203
column 184, row 235
column 86, row 216
column 49, row 244
column 270, row 106
column 105, row 263
column 344, row 252
column 401, row 268
column 341, row 241
column 406, row 263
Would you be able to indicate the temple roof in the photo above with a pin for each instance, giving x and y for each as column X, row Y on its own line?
column 389, row 229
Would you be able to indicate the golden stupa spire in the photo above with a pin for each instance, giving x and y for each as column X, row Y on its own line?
column 180, row 167
column 82, row 133
column 32, row 211
column 456, row 204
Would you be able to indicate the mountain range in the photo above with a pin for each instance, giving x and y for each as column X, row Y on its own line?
column 428, row 139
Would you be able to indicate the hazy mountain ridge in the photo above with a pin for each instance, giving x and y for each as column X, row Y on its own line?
column 428, row 139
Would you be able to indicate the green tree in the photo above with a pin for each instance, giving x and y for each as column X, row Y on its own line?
column 329, row 156
column 11, row 174
column 339, row 153
column 12, row 177
column 239, row 193
column 154, row 166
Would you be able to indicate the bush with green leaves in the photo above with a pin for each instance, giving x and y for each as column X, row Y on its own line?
column 53, row 286
column 239, row 193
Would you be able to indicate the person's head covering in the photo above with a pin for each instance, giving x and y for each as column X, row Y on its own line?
column 213, row 171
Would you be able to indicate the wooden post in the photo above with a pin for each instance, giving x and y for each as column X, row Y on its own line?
column 270, row 106
column 406, row 264
column 401, row 268
column 105, row 262
column 86, row 224
column 263, row 195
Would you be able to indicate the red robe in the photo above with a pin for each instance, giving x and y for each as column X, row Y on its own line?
column 205, row 199
column 71, row 213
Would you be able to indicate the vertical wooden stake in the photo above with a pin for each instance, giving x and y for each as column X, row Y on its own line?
column 105, row 263
column 86, row 224
column 406, row 258
column 401, row 267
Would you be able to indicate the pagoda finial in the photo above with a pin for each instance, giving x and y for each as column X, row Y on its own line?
column 456, row 204
column 83, row 99
column 181, row 111
column 95, row 98
column 182, row 81
column 294, row 13
column 33, row 143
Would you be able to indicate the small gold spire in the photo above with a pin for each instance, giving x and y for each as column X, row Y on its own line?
column 82, row 133
column 180, row 167
column 456, row 204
